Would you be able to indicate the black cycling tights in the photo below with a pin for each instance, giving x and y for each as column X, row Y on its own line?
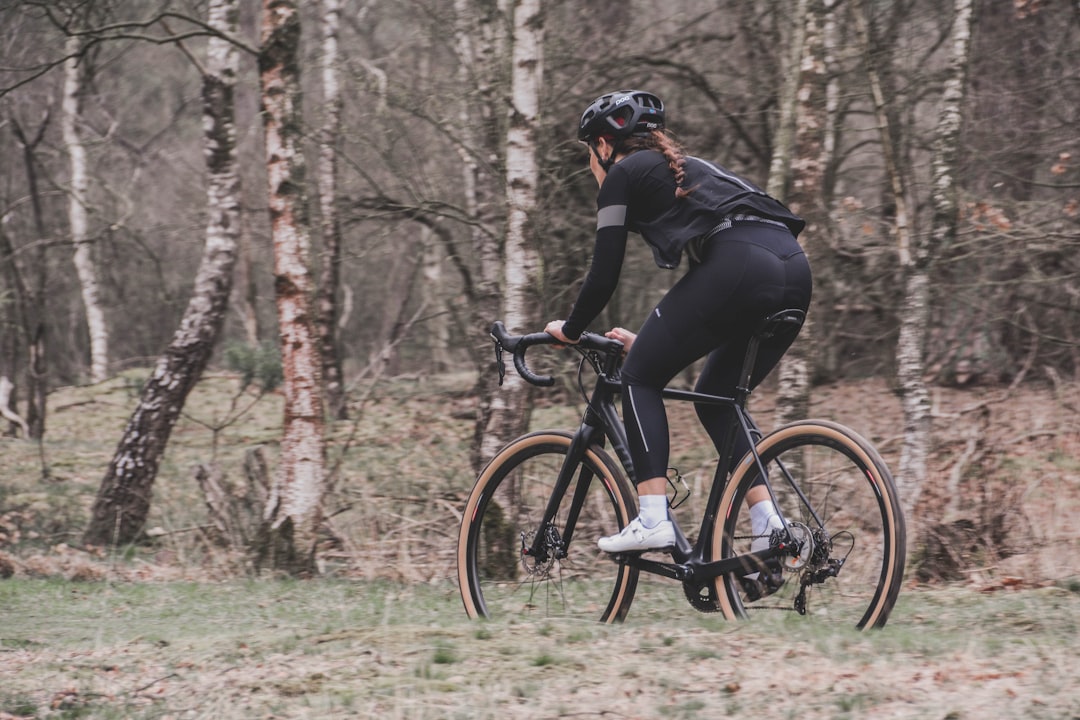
column 748, row 272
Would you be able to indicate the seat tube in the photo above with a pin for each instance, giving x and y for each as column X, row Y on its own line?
column 740, row 424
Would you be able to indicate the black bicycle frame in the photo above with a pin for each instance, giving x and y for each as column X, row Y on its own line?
column 601, row 421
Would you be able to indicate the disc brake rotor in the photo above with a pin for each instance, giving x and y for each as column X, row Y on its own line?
column 538, row 564
column 803, row 539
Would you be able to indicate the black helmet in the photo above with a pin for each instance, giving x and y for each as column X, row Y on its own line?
column 622, row 114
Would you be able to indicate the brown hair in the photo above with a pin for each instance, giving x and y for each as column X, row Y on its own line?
column 663, row 143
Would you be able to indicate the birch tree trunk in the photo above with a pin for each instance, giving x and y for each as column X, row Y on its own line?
column 294, row 512
column 910, row 347
column 915, row 313
column 806, row 196
column 794, row 101
column 509, row 409
column 78, row 215
column 477, row 44
column 330, row 275
column 784, row 136
column 123, row 500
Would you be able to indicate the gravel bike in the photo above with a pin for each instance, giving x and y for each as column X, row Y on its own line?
column 527, row 542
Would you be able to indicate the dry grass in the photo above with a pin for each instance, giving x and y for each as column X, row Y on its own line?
column 175, row 627
column 325, row 648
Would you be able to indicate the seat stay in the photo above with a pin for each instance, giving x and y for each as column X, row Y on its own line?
column 792, row 483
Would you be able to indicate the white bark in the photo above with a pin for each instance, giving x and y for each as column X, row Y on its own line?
column 784, row 142
column 330, row 277
column 796, row 163
column 831, row 41
column 911, row 347
column 295, row 508
column 520, row 261
column 480, row 38
column 123, row 501
column 6, row 411
column 475, row 47
column 522, row 172
column 467, row 150
column 78, row 217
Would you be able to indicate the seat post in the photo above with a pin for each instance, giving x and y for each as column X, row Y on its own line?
column 769, row 327
column 742, row 390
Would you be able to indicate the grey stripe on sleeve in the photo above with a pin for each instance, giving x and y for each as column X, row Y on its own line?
column 611, row 215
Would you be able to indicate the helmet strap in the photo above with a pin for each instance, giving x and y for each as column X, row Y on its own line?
column 605, row 165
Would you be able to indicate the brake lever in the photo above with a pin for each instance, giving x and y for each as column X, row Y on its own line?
column 499, row 360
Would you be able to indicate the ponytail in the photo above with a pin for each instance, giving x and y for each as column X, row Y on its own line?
column 664, row 144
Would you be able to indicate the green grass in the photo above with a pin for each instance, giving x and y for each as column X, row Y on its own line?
column 339, row 648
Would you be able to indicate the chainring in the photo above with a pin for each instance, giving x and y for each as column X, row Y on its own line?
column 702, row 596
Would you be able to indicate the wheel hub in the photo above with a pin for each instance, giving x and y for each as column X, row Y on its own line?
column 539, row 563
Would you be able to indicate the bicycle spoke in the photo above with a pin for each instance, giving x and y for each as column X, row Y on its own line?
column 839, row 503
column 558, row 580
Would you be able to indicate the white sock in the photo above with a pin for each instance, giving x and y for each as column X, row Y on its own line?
column 653, row 510
column 762, row 516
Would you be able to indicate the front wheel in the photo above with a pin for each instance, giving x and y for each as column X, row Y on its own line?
column 570, row 577
column 844, row 543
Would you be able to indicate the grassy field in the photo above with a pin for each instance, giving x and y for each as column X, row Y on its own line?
column 338, row 648
column 177, row 626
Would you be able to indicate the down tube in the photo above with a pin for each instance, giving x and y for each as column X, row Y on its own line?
column 616, row 433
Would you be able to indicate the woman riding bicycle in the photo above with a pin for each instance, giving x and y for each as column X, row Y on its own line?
column 744, row 262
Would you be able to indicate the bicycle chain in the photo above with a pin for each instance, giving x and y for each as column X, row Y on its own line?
column 708, row 604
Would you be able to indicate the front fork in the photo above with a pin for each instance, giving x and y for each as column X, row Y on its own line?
column 548, row 542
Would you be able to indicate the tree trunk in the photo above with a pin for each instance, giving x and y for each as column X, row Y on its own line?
column 894, row 168
column 477, row 45
column 805, row 197
column 14, row 314
column 509, row 414
column 330, row 276
column 294, row 512
column 78, row 216
column 36, row 299
column 911, row 347
column 246, row 291
column 123, row 500
column 784, row 135
column 794, row 385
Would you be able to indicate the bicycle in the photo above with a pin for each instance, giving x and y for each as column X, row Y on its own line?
column 527, row 541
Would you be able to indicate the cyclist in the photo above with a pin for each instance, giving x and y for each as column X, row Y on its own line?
column 744, row 262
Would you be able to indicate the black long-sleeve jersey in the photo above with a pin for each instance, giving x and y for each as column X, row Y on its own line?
column 638, row 195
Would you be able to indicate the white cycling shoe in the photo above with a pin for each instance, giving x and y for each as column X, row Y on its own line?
column 635, row 537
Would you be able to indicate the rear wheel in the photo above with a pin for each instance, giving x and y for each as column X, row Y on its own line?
column 845, row 530
column 570, row 577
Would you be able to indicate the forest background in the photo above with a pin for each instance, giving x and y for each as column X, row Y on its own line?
column 420, row 179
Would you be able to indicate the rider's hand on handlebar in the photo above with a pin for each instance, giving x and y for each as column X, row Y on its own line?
column 554, row 328
column 622, row 335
